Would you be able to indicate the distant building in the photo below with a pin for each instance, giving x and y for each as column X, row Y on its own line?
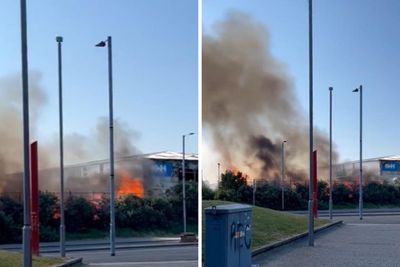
column 374, row 169
column 142, row 175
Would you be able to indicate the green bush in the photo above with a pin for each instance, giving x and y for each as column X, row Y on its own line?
column 9, row 231
column 79, row 214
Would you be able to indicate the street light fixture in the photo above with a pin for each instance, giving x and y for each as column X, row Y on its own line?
column 26, row 229
column 330, row 153
column 59, row 41
column 360, row 200
column 108, row 43
column 283, row 174
column 311, row 145
column 183, row 181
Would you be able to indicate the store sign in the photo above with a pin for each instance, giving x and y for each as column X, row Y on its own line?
column 390, row 166
column 160, row 169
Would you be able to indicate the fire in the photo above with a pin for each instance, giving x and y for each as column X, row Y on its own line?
column 128, row 185
column 56, row 215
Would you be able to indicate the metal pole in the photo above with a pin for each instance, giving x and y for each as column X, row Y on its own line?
column 59, row 40
column 26, row 229
column 112, row 189
column 254, row 191
column 330, row 152
column 311, row 146
column 283, row 175
column 219, row 174
column 183, row 184
column 361, row 178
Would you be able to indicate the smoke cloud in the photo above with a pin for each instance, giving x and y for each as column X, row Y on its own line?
column 249, row 105
column 78, row 148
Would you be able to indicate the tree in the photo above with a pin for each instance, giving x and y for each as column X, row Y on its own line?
column 207, row 192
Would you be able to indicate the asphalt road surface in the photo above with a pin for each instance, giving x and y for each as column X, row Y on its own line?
column 373, row 241
column 353, row 212
column 170, row 256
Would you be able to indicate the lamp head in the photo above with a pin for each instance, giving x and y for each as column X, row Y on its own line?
column 355, row 90
column 59, row 39
column 330, row 88
column 101, row 44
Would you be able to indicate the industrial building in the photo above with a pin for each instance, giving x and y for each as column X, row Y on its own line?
column 374, row 169
column 141, row 175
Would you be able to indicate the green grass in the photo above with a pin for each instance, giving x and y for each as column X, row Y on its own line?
column 14, row 259
column 270, row 225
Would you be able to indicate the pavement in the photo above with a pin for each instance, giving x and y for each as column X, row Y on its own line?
column 185, row 256
column 373, row 241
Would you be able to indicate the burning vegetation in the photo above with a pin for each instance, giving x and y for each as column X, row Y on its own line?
column 128, row 185
column 250, row 107
column 78, row 148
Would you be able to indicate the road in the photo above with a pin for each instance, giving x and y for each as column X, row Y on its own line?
column 353, row 212
column 135, row 252
column 373, row 241
column 185, row 256
column 98, row 244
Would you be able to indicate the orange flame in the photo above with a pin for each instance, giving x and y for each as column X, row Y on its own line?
column 56, row 215
column 128, row 185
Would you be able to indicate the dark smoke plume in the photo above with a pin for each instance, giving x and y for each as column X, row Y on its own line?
column 78, row 148
column 249, row 105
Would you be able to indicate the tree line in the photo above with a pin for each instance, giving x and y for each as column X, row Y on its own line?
column 234, row 187
column 161, row 213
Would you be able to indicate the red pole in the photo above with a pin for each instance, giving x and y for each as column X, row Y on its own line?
column 314, row 185
column 34, row 199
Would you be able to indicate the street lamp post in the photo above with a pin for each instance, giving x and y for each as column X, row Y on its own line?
column 360, row 200
column 108, row 42
column 311, row 145
column 283, row 174
column 254, row 191
column 219, row 174
column 26, row 229
column 330, row 152
column 183, row 181
column 59, row 40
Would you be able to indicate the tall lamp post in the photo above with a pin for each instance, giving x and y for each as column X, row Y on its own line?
column 59, row 40
column 311, row 145
column 219, row 174
column 183, row 181
column 360, row 200
column 108, row 43
column 330, row 152
column 283, row 174
column 26, row 229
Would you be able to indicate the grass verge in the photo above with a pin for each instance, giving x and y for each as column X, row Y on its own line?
column 14, row 259
column 269, row 225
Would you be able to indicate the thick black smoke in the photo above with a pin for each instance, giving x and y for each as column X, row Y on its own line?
column 249, row 105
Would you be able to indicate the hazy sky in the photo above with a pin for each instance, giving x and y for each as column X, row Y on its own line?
column 355, row 42
column 154, row 59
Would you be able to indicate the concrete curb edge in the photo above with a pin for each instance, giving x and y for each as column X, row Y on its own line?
column 291, row 239
column 70, row 262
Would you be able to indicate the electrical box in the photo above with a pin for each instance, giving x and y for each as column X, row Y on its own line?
column 228, row 236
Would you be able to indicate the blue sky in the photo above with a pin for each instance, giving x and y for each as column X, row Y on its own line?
column 355, row 42
column 155, row 50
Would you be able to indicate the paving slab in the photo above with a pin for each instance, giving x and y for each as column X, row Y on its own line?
column 373, row 241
